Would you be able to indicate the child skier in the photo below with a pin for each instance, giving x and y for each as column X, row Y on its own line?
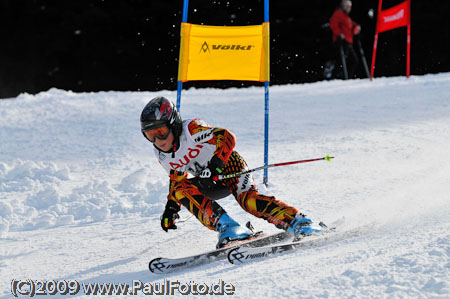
column 191, row 146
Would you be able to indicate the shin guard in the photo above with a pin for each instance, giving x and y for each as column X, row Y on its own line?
column 268, row 208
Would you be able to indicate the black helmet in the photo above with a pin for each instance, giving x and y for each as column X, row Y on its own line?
column 161, row 112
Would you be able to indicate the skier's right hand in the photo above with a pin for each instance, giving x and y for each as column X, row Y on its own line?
column 169, row 216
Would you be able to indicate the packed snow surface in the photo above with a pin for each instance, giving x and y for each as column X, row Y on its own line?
column 81, row 192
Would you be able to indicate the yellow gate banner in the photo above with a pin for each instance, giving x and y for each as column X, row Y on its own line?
column 224, row 53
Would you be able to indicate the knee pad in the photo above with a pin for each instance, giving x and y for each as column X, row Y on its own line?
column 267, row 207
column 202, row 207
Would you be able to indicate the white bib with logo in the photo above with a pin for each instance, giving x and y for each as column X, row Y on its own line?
column 194, row 151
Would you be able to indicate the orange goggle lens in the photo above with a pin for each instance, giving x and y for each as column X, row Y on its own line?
column 160, row 133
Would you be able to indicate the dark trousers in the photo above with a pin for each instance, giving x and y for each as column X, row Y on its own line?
column 350, row 57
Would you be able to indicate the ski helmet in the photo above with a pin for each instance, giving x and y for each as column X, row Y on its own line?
column 161, row 112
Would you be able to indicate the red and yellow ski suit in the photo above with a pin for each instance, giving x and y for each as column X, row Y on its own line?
column 198, row 143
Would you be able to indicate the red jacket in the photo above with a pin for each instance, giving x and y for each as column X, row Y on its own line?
column 341, row 23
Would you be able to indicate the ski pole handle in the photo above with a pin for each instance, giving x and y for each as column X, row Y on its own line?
column 232, row 175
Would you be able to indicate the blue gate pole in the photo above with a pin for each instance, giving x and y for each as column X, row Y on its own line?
column 266, row 109
column 179, row 88
column 180, row 83
column 266, row 131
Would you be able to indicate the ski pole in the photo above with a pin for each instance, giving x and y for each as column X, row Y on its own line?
column 363, row 57
column 185, row 219
column 232, row 175
column 344, row 63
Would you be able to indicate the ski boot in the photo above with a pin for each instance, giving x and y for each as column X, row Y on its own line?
column 302, row 226
column 229, row 231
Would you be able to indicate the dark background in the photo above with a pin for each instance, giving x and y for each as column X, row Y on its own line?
column 92, row 45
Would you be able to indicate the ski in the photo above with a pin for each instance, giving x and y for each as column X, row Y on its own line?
column 241, row 255
column 163, row 265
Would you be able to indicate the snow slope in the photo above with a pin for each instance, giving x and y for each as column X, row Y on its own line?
column 81, row 193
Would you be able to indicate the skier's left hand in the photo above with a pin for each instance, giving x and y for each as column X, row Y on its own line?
column 214, row 168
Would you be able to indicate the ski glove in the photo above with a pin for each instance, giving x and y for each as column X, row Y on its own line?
column 214, row 168
column 169, row 216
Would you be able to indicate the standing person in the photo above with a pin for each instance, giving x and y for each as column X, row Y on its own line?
column 193, row 147
column 344, row 29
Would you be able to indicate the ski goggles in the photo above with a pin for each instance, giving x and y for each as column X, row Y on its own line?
column 161, row 133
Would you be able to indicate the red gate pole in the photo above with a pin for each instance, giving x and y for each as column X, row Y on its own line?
column 408, row 41
column 374, row 54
